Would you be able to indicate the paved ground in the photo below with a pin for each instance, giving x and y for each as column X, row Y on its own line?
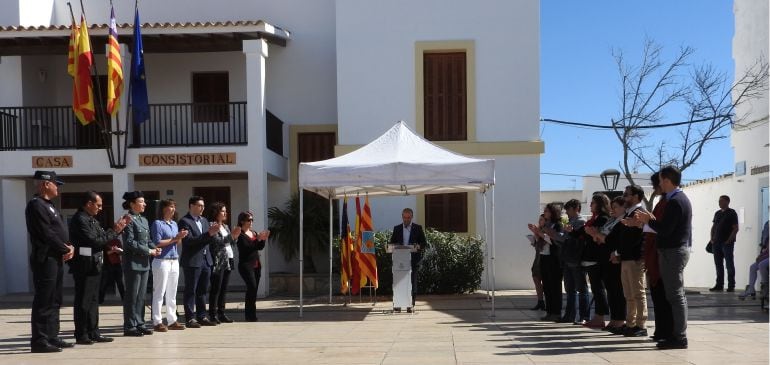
column 445, row 330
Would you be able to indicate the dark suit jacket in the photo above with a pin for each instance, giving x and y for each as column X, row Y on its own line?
column 85, row 231
column 195, row 247
column 417, row 236
column 675, row 229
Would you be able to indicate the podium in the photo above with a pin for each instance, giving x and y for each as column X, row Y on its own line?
column 402, row 274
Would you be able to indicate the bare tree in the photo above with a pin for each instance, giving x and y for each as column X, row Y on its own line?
column 654, row 86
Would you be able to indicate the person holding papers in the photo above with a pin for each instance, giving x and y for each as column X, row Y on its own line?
column 409, row 233
column 89, row 239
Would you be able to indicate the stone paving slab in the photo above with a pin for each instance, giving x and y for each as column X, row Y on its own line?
column 448, row 329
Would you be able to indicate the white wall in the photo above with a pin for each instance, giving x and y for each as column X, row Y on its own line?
column 700, row 271
column 14, row 252
column 11, row 81
column 375, row 63
column 376, row 87
column 516, row 204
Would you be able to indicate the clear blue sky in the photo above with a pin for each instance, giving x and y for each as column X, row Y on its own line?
column 579, row 78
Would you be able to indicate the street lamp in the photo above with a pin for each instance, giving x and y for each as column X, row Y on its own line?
column 610, row 178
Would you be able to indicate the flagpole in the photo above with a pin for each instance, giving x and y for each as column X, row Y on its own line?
column 99, row 101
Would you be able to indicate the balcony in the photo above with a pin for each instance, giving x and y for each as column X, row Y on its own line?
column 179, row 124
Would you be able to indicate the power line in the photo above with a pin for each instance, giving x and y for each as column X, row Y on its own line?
column 591, row 176
column 600, row 126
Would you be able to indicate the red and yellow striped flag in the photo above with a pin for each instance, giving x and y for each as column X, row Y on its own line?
column 83, row 93
column 366, row 261
column 114, row 68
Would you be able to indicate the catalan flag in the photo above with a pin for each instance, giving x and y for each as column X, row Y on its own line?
column 114, row 68
column 83, row 93
column 367, row 262
column 346, row 270
column 74, row 35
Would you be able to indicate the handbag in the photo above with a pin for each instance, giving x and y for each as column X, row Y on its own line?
column 710, row 248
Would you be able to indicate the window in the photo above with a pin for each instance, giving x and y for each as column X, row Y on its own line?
column 445, row 96
column 447, row 212
column 315, row 146
column 211, row 95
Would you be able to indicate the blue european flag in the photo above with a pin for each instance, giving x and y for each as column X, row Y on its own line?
column 140, row 107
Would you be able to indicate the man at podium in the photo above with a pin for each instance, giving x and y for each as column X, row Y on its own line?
column 409, row 233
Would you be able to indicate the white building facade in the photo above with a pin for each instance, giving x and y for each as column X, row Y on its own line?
column 241, row 92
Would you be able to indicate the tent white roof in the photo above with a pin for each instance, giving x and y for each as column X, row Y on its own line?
column 399, row 162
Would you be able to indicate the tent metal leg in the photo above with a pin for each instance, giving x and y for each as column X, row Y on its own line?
column 486, row 245
column 492, row 260
column 301, row 246
column 331, row 238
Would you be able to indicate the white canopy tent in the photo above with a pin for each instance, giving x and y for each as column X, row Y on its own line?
column 399, row 162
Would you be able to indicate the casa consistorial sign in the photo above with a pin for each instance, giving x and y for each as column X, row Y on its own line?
column 49, row 162
column 187, row 159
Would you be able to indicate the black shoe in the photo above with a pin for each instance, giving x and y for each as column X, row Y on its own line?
column 716, row 288
column 397, row 310
column 730, row 290
column 539, row 306
column 192, row 324
column 566, row 319
column 656, row 338
column 409, row 310
column 144, row 331
column 206, row 322
column 224, row 319
column 58, row 342
column 636, row 332
column 672, row 344
column 215, row 320
column 133, row 333
column 44, row 348
column 101, row 338
column 84, row 341
column 620, row 330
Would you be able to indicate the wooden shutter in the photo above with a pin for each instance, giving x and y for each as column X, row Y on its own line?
column 447, row 212
column 445, row 96
column 315, row 146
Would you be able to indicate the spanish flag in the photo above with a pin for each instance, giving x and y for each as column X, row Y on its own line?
column 83, row 93
column 114, row 68
column 366, row 261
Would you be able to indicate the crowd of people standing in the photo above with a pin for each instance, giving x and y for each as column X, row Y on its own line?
column 621, row 250
column 201, row 246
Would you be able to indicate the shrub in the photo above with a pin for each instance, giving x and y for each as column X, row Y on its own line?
column 452, row 264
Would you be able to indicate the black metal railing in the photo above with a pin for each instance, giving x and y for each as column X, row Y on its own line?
column 274, row 133
column 188, row 124
column 179, row 124
column 46, row 128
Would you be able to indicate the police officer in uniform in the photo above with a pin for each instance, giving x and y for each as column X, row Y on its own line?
column 50, row 248
column 89, row 239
